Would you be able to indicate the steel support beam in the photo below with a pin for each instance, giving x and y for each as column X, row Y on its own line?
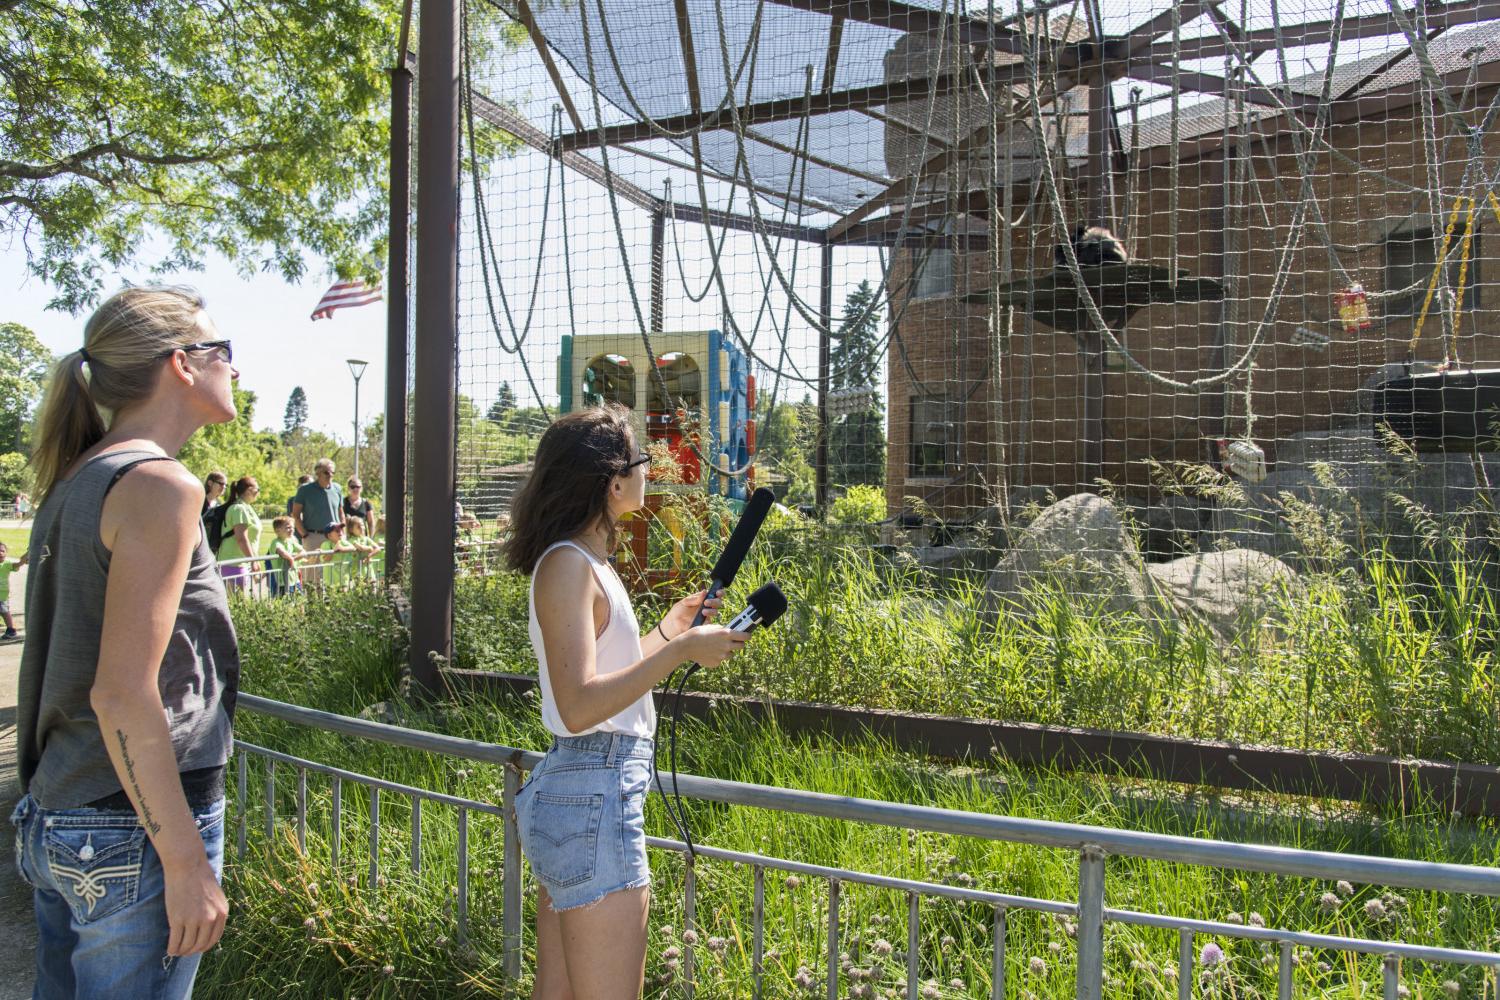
column 528, row 20
column 658, row 268
column 1462, row 13
column 825, row 337
column 432, row 532
column 789, row 108
column 397, row 303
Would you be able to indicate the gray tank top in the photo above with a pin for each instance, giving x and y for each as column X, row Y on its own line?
column 63, row 761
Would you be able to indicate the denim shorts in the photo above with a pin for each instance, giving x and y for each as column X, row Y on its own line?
column 581, row 817
column 99, row 896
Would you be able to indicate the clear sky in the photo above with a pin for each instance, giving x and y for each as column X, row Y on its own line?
column 276, row 345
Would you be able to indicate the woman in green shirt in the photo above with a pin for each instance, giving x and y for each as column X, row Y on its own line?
column 242, row 531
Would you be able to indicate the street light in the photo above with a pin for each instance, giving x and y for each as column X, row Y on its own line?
column 357, row 369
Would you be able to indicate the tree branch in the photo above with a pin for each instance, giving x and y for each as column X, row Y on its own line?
column 77, row 163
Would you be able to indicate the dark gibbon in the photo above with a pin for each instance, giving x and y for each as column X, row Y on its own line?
column 1094, row 246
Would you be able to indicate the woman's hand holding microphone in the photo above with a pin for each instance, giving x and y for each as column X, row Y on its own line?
column 708, row 644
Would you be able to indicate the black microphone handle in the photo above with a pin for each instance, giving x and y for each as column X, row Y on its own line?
column 713, row 591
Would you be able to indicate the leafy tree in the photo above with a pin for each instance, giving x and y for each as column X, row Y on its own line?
column 238, row 449
column 254, row 129
column 295, row 417
column 24, row 365
column 856, row 441
column 785, row 441
column 15, row 475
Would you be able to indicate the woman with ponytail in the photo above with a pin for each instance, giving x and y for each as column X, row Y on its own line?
column 130, row 668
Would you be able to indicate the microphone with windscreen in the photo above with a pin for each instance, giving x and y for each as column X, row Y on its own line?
column 765, row 606
column 738, row 545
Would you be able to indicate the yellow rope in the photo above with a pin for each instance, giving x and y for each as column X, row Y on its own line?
column 1463, row 276
column 1416, row 334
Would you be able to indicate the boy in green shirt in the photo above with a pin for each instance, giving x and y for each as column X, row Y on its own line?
column 366, row 545
column 7, row 567
column 288, row 552
column 338, row 557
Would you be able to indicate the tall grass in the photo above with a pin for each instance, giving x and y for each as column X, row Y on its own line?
column 301, row 928
column 1397, row 659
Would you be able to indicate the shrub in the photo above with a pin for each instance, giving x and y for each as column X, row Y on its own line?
column 858, row 505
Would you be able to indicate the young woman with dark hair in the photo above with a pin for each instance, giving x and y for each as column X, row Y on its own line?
column 580, row 814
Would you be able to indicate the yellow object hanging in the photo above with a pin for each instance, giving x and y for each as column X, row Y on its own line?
column 1450, row 352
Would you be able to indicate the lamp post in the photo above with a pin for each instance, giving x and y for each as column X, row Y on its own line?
column 357, row 369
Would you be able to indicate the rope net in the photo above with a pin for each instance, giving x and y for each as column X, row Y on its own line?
column 1092, row 280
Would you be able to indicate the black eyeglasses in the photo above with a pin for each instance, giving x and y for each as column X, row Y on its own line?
column 645, row 459
column 205, row 345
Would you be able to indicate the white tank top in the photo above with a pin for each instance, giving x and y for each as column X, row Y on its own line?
column 616, row 648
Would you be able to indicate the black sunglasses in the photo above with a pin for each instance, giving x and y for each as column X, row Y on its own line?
column 206, row 345
column 645, row 459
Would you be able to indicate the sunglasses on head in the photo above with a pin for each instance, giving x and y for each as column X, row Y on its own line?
column 644, row 459
column 222, row 346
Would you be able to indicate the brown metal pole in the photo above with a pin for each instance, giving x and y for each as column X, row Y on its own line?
column 397, row 303
column 658, row 268
column 825, row 333
column 436, row 342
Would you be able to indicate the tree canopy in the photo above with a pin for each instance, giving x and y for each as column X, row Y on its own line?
column 24, row 365
column 255, row 129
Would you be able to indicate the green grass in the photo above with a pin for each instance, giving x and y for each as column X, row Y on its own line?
column 16, row 540
column 300, row 928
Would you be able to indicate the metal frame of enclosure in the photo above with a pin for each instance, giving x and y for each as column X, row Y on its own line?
column 1094, row 61
column 1093, row 846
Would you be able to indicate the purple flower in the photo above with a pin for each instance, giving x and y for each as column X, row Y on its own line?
column 1211, row 956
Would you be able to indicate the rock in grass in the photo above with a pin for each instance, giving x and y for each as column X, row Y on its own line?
column 1081, row 546
column 1229, row 591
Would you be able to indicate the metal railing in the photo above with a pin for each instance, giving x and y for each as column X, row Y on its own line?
column 263, row 578
column 1093, row 846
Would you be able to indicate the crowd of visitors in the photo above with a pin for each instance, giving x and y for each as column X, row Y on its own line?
column 327, row 538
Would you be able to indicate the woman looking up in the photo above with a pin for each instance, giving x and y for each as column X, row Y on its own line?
column 130, row 667
column 580, row 814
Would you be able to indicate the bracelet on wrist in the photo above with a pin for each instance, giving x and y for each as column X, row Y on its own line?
column 662, row 631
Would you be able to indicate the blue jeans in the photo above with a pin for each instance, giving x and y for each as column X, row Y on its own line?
column 581, row 817
column 100, row 899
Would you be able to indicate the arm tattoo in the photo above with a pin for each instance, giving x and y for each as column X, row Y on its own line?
column 140, row 797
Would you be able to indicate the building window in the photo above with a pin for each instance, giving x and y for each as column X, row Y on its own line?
column 1411, row 256
column 934, row 273
column 934, row 435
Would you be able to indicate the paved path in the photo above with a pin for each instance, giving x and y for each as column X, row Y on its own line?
column 17, row 928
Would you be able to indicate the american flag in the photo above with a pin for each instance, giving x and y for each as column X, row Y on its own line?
column 344, row 294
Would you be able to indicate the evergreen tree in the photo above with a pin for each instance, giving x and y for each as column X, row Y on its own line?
column 294, row 418
column 856, row 441
column 503, row 406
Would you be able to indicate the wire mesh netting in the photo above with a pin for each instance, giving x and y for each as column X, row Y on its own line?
column 1175, row 312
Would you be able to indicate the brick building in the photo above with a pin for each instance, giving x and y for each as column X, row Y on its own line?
column 976, row 400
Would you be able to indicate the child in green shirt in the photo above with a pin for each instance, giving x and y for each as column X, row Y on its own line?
column 288, row 552
column 338, row 557
column 7, row 567
column 368, row 549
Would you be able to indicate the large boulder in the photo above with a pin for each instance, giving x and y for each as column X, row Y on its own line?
column 1081, row 545
column 1230, row 591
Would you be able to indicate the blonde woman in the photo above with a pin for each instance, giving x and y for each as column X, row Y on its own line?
column 130, row 668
